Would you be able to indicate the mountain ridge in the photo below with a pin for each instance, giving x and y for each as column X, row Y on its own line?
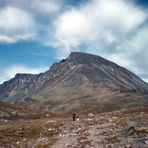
column 71, row 56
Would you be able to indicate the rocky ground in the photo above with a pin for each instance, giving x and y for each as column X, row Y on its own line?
column 125, row 129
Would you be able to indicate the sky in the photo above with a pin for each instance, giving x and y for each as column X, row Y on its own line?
column 35, row 34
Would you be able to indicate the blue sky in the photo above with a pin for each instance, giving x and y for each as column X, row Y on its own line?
column 34, row 36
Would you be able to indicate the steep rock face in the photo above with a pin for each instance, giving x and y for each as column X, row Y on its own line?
column 82, row 81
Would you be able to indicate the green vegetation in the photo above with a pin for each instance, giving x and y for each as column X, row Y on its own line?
column 139, row 132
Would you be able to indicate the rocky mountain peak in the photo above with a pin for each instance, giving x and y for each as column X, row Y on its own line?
column 80, row 58
column 86, row 58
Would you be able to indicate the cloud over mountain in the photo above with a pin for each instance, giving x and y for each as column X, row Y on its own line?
column 105, row 22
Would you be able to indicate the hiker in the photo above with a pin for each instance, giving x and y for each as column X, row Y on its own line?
column 77, row 117
column 74, row 116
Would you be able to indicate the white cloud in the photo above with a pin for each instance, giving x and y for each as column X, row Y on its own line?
column 15, row 25
column 10, row 72
column 105, row 22
column 37, row 7
column 27, row 20
column 46, row 6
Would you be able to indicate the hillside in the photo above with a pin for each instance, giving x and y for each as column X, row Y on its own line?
column 82, row 82
column 14, row 112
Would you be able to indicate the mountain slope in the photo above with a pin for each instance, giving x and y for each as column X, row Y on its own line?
column 10, row 111
column 82, row 81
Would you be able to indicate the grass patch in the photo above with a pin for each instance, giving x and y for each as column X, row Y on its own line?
column 139, row 132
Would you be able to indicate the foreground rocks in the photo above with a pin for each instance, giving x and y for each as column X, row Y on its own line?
column 124, row 128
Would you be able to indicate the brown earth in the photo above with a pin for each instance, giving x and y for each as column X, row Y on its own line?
column 125, row 128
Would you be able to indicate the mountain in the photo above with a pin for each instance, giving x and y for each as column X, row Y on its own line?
column 82, row 82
